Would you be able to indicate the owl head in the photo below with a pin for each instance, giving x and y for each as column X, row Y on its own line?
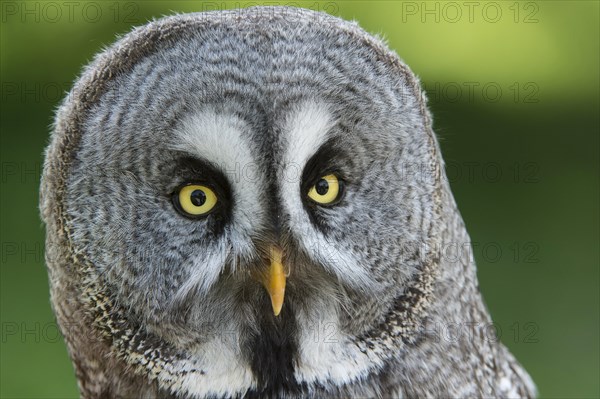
column 245, row 201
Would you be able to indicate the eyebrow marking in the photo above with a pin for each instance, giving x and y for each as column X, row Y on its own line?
column 307, row 129
column 223, row 140
column 219, row 138
column 307, row 126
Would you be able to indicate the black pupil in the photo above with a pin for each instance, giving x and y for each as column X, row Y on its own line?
column 322, row 187
column 198, row 197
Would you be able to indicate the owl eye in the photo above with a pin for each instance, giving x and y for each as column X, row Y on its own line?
column 326, row 190
column 194, row 200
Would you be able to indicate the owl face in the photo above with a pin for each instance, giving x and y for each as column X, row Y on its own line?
column 244, row 182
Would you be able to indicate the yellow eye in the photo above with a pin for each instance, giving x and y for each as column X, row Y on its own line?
column 326, row 190
column 195, row 200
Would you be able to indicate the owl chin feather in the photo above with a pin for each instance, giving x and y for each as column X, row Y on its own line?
column 254, row 115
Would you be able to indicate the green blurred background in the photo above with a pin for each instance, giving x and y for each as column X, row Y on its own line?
column 514, row 90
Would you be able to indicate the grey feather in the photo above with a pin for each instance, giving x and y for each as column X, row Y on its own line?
column 152, row 303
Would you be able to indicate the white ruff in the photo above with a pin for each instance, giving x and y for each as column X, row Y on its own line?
column 327, row 355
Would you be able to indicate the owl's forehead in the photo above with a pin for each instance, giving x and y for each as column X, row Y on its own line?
column 227, row 140
column 239, row 93
column 260, row 82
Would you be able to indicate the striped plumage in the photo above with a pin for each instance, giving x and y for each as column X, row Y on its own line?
column 255, row 103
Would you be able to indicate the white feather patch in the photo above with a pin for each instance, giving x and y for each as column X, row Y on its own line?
column 307, row 128
column 327, row 355
column 224, row 140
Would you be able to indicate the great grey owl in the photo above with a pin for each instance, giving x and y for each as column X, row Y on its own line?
column 252, row 203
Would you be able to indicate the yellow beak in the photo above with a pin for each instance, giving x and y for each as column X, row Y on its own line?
column 274, row 280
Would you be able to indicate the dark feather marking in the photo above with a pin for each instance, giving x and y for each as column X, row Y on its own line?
column 272, row 353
